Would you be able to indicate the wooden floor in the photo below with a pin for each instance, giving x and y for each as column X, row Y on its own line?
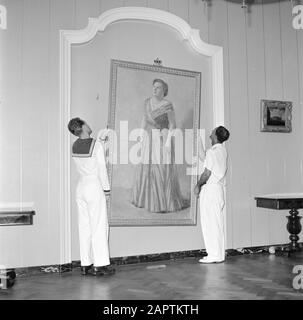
column 257, row 276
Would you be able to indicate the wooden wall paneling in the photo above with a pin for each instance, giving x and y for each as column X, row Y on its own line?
column 238, row 145
column 135, row 3
column 198, row 17
column 85, row 9
column 11, row 88
column 290, row 68
column 218, row 21
column 291, row 62
column 256, row 90
column 289, row 57
column 158, row 4
column 62, row 16
column 10, row 120
column 180, row 8
column 107, row 5
column 273, row 51
column 34, row 113
column 275, row 89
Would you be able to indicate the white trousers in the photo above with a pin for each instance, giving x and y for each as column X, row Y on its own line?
column 212, row 220
column 93, row 223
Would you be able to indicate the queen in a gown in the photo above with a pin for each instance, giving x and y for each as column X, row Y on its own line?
column 156, row 186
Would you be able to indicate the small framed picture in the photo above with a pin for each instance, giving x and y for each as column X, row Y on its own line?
column 276, row 116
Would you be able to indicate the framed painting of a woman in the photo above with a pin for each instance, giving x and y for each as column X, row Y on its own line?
column 153, row 117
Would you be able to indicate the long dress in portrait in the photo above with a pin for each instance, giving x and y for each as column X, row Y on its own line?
column 156, row 186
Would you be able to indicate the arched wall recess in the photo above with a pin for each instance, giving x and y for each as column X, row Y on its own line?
column 95, row 25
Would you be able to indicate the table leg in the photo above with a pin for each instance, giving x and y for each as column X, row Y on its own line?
column 294, row 228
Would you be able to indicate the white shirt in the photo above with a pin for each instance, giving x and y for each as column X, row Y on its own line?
column 93, row 165
column 216, row 162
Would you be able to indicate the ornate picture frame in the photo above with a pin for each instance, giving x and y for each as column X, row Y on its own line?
column 276, row 116
column 130, row 84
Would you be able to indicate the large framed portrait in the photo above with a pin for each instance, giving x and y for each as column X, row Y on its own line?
column 154, row 114
column 276, row 116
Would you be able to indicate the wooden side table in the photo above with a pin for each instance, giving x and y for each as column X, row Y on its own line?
column 15, row 218
column 292, row 202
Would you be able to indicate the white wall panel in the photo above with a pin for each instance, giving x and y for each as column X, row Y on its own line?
column 85, row 9
column 179, row 8
column 238, row 145
column 34, row 124
column 10, row 120
column 198, row 17
column 256, row 90
column 135, row 3
column 107, row 5
column 218, row 34
column 158, row 4
column 275, row 89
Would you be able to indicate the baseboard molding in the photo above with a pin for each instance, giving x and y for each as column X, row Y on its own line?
column 30, row 271
column 152, row 257
column 36, row 270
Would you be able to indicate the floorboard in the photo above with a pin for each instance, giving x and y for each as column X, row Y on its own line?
column 255, row 276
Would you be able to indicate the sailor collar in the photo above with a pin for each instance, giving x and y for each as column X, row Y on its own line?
column 83, row 148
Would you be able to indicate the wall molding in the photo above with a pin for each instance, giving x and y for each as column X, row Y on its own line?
column 95, row 25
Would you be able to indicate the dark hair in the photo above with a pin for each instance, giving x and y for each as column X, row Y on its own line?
column 75, row 126
column 222, row 134
column 164, row 85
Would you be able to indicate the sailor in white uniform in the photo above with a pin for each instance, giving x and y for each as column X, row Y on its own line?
column 212, row 200
column 92, row 190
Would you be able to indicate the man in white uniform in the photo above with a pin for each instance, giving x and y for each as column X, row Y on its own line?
column 212, row 197
column 92, row 190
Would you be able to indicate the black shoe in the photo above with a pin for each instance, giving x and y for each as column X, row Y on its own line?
column 7, row 279
column 85, row 269
column 102, row 271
